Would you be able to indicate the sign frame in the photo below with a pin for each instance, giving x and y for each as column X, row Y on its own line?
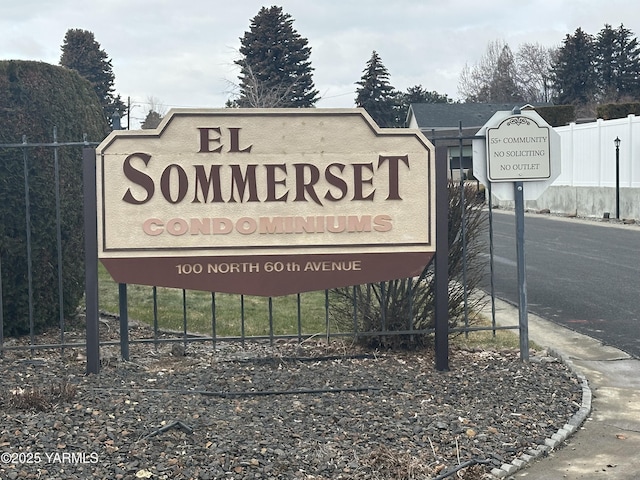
column 345, row 145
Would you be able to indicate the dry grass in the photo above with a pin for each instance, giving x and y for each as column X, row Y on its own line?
column 41, row 399
column 387, row 463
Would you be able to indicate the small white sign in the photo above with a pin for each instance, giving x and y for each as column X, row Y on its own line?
column 518, row 150
column 502, row 188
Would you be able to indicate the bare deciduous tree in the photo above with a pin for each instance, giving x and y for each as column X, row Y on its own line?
column 155, row 104
column 502, row 77
column 259, row 94
column 481, row 81
column 534, row 63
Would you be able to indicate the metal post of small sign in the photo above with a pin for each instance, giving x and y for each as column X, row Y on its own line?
column 617, row 144
column 523, row 320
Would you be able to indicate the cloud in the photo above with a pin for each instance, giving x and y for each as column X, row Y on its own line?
column 182, row 52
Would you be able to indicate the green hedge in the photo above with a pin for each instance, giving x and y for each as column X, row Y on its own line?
column 558, row 115
column 610, row 111
column 35, row 97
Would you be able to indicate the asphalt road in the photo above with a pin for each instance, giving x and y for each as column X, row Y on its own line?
column 581, row 274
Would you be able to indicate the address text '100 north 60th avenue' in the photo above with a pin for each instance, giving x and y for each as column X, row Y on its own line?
column 224, row 268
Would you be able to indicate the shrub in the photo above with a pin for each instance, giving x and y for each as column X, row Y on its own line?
column 612, row 111
column 35, row 97
column 401, row 305
column 558, row 115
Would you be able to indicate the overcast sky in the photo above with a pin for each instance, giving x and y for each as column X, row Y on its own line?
column 181, row 52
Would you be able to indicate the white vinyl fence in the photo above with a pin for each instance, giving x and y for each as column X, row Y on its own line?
column 589, row 153
column 587, row 183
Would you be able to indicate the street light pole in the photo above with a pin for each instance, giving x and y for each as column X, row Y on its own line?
column 617, row 143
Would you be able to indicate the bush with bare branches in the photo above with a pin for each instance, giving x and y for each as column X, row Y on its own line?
column 408, row 305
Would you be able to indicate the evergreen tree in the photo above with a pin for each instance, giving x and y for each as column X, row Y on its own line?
column 629, row 63
column 573, row 72
column 418, row 94
column 275, row 70
column 617, row 64
column 81, row 52
column 152, row 120
column 35, row 97
column 155, row 113
column 605, row 64
column 376, row 95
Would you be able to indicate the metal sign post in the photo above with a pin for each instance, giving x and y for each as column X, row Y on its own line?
column 519, row 148
column 523, row 319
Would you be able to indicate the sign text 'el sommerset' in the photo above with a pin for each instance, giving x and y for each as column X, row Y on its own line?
column 265, row 202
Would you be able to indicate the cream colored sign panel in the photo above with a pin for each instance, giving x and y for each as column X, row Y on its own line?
column 518, row 150
column 263, row 182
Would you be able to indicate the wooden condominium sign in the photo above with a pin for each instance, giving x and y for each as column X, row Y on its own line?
column 265, row 201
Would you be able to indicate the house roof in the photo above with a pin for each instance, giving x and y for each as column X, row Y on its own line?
column 449, row 115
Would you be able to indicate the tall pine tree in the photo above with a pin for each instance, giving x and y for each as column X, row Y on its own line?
column 376, row 95
column 629, row 59
column 606, row 74
column 573, row 72
column 275, row 70
column 617, row 64
column 81, row 52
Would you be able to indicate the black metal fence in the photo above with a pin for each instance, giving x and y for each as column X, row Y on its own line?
column 24, row 154
column 157, row 333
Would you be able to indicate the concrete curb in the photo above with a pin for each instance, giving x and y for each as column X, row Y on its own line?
column 561, row 435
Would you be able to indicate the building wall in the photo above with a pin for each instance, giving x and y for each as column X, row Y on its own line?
column 584, row 201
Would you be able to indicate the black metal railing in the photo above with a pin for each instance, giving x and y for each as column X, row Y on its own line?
column 158, row 335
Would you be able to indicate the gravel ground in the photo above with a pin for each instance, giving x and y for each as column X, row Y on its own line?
column 287, row 411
